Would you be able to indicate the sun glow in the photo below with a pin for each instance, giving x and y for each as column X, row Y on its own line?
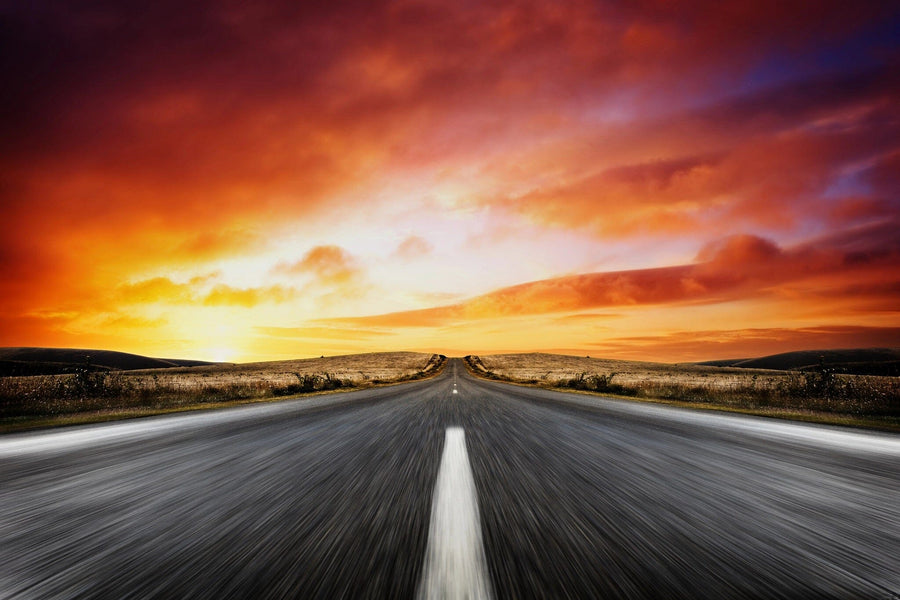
column 221, row 354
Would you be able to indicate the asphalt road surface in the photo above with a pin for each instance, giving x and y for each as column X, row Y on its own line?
column 367, row 495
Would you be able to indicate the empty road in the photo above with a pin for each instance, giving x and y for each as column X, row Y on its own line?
column 452, row 485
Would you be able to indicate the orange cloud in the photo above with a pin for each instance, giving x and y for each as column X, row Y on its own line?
column 163, row 289
column 224, row 295
column 120, row 321
column 329, row 264
column 156, row 290
column 215, row 244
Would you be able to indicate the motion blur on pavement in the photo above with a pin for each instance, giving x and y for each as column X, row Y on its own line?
column 335, row 497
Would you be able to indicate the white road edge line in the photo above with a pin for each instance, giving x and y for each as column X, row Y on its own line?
column 455, row 564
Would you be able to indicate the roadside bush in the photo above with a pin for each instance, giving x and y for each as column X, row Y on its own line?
column 92, row 391
column 90, row 388
column 312, row 383
column 55, row 394
column 820, row 390
column 596, row 383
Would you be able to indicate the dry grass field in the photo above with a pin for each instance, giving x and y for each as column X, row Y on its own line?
column 551, row 368
column 357, row 369
column 862, row 399
column 99, row 395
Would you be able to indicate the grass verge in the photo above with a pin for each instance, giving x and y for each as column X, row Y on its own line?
column 820, row 396
column 91, row 397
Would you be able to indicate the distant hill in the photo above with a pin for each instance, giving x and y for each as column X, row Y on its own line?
column 53, row 361
column 857, row 361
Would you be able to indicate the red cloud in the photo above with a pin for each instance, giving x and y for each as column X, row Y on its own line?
column 733, row 268
column 739, row 250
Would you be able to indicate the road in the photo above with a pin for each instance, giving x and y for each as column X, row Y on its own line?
column 336, row 497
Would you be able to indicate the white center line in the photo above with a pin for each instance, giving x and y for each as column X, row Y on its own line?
column 455, row 564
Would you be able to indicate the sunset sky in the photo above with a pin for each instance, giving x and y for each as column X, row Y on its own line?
column 654, row 180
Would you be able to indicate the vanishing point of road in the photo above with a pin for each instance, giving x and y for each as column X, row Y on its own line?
column 450, row 487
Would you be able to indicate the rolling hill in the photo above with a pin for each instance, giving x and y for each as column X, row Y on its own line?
column 857, row 361
column 53, row 361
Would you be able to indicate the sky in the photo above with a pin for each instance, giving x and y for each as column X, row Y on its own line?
column 650, row 180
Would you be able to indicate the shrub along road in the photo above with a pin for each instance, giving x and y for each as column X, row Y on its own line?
column 332, row 497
